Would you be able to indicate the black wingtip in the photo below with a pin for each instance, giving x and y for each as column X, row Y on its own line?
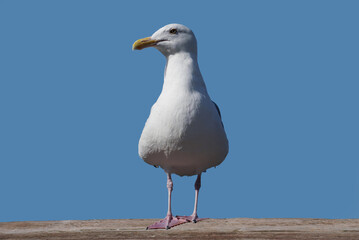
column 219, row 112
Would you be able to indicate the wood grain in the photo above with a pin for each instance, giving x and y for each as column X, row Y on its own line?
column 234, row 228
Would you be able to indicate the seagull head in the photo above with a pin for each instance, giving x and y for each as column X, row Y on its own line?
column 169, row 40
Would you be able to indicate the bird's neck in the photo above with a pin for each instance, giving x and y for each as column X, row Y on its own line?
column 182, row 73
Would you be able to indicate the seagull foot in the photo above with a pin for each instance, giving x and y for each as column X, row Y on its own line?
column 167, row 223
column 192, row 218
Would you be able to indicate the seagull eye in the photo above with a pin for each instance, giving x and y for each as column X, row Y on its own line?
column 173, row 31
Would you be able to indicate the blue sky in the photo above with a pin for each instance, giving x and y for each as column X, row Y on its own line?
column 74, row 98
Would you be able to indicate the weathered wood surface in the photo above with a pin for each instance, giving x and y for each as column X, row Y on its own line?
column 234, row 228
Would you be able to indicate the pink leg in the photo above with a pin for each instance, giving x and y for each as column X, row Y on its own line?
column 197, row 186
column 169, row 221
column 194, row 218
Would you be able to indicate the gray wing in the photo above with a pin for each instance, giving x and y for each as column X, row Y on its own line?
column 219, row 112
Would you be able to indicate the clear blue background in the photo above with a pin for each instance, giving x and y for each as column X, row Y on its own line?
column 74, row 98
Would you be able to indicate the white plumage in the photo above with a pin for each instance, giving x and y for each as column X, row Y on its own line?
column 184, row 133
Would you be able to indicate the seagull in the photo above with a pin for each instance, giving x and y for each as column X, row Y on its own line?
column 184, row 133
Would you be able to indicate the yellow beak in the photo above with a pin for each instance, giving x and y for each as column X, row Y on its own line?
column 143, row 43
